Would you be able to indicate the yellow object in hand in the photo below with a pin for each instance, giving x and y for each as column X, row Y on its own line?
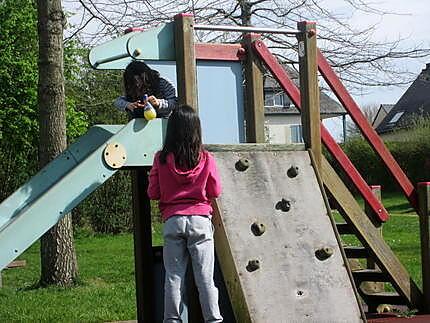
column 149, row 113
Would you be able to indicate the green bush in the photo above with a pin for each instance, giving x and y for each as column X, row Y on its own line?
column 109, row 208
column 413, row 156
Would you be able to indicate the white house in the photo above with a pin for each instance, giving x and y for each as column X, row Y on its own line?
column 283, row 122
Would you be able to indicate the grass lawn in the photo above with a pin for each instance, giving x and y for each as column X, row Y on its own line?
column 106, row 290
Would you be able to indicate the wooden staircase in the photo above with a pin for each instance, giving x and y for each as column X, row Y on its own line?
column 365, row 276
column 388, row 269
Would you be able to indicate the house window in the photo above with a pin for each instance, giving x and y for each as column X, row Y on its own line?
column 276, row 99
column 396, row 117
column 296, row 134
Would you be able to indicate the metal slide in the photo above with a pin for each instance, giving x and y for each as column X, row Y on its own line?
column 53, row 192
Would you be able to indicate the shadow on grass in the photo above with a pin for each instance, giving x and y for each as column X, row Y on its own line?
column 77, row 282
column 402, row 208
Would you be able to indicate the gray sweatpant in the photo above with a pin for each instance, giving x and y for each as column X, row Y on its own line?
column 186, row 235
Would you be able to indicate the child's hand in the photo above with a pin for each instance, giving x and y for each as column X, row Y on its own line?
column 135, row 105
column 154, row 101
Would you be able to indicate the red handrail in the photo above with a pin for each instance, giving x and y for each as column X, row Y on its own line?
column 293, row 92
column 368, row 132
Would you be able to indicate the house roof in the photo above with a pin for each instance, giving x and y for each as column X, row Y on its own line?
column 328, row 106
column 414, row 102
column 383, row 110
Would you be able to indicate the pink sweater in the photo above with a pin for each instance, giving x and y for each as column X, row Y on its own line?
column 184, row 192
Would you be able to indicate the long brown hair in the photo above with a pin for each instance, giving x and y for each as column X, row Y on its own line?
column 183, row 137
column 149, row 78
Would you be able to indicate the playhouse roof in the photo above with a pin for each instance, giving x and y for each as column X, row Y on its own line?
column 328, row 106
column 414, row 102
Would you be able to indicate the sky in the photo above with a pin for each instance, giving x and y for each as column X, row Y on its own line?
column 410, row 21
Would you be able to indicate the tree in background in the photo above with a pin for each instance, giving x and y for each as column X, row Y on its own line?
column 358, row 59
column 58, row 257
column 370, row 111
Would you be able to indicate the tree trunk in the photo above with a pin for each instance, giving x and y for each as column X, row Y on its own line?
column 58, row 257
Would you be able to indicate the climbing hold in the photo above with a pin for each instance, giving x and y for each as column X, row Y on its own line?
column 242, row 164
column 283, row 205
column 258, row 228
column 253, row 265
column 324, row 253
column 293, row 171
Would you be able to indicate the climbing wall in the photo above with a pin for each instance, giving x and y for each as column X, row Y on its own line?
column 275, row 242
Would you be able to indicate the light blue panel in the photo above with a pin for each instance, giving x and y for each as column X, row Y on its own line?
column 30, row 222
column 220, row 98
column 154, row 43
column 111, row 55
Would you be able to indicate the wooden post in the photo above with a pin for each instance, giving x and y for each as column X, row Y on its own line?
column 254, row 93
column 187, row 94
column 309, row 89
column 143, row 247
column 185, row 60
column 373, row 287
column 424, row 208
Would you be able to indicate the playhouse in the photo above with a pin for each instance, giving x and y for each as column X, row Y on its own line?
column 280, row 257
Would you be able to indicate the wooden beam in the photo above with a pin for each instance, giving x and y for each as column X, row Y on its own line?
column 424, row 207
column 373, row 286
column 219, row 52
column 254, row 93
column 370, row 237
column 309, row 89
column 229, row 270
column 143, row 247
column 185, row 60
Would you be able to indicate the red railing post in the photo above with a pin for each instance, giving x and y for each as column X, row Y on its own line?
column 293, row 92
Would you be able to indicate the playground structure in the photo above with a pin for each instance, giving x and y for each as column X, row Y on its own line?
column 281, row 257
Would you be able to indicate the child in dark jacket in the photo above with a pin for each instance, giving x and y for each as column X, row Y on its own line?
column 140, row 79
column 184, row 178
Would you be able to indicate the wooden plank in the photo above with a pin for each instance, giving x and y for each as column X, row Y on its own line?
column 356, row 252
column 219, row 52
column 368, row 132
column 344, row 228
column 291, row 281
column 185, row 60
column 370, row 275
column 229, row 270
column 424, row 214
column 17, row 264
column 254, row 93
column 374, row 286
column 370, row 237
column 309, row 89
column 254, row 147
column 293, row 92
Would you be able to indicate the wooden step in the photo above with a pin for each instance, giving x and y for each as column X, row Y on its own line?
column 370, row 275
column 356, row 252
column 375, row 299
column 344, row 228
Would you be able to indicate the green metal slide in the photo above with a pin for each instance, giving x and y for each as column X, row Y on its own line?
column 60, row 186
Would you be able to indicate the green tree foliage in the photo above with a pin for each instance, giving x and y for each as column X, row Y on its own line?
column 18, row 95
column 89, row 97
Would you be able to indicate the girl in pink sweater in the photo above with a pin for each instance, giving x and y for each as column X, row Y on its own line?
column 184, row 179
